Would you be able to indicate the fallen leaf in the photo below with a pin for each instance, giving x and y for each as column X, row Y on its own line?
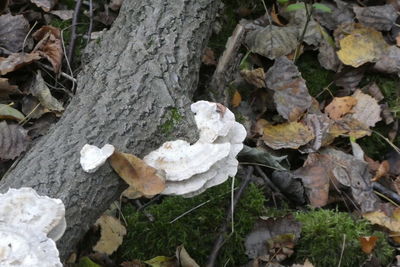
column 367, row 110
column 8, row 112
column 255, row 77
column 393, row 157
column 32, row 107
column 275, row 17
column 137, row 173
column 289, row 185
column 183, row 257
column 387, row 216
column 208, row 57
column 290, row 91
column 161, row 261
column 13, row 30
column 362, row 45
column 272, row 41
column 41, row 125
column 381, row 18
column 287, row 135
column 112, row 233
column 46, row 5
column 50, row 46
column 383, row 169
column 13, row 140
column 389, row 62
column 236, row 99
column 307, row 263
column 63, row 14
column 349, row 77
column 368, row 243
column 349, row 127
column 340, row 106
column 40, row 90
column 374, row 91
column 262, row 156
column 16, row 61
column 133, row 263
column 87, row 262
column 327, row 56
column 320, row 125
column 6, row 89
column 341, row 13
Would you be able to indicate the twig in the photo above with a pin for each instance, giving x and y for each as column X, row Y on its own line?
column 309, row 14
column 89, row 32
column 386, row 192
column 219, row 242
column 341, row 253
column 267, row 180
column 189, row 211
column 63, row 74
column 146, row 213
column 27, row 35
column 73, row 31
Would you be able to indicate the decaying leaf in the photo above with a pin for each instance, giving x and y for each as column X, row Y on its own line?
column 236, row 99
column 340, row 106
column 349, row 127
column 7, row 89
column 289, row 185
column 32, row 107
column 184, row 258
column 273, row 238
column 13, row 140
column 262, row 156
column 327, row 56
column 367, row 110
column 272, row 41
column 341, row 13
column 63, row 14
column 383, row 169
column 374, row 91
column 362, row 45
column 389, row 62
column 255, row 77
column 290, row 91
column 208, row 57
column 368, row 243
column 13, row 30
column 112, row 234
column 50, row 46
column 40, row 90
column 349, row 77
column 137, row 173
column 287, row 135
column 381, row 18
column 320, row 125
column 8, row 112
column 16, row 61
column 46, row 5
column 387, row 216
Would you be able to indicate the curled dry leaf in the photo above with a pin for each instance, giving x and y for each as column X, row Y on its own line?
column 13, row 30
column 7, row 112
column 137, row 173
column 290, row 91
column 287, row 135
column 16, row 61
column 340, row 106
column 367, row 110
column 383, row 169
column 112, row 234
column 6, row 89
column 13, row 140
column 362, row 45
column 381, row 18
column 255, row 77
column 40, row 90
column 46, row 5
column 50, row 46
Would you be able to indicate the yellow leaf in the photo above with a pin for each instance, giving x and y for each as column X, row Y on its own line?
column 287, row 135
column 161, row 261
column 391, row 221
column 112, row 233
column 236, row 99
column 361, row 46
column 137, row 173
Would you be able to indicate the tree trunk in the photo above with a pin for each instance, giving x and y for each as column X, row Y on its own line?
column 134, row 92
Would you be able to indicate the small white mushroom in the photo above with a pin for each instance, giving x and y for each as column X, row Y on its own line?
column 92, row 157
column 20, row 245
column 25, row 207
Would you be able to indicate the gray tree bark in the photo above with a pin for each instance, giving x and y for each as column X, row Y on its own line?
column 135, row 81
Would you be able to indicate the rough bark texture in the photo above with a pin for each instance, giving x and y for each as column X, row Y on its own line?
column 140, row 75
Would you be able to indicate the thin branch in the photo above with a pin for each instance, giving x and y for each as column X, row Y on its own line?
column 73, row 31
column 341, row 253
column 267, row 180
column 63, row 74
column 386, row 192
column 89, row 33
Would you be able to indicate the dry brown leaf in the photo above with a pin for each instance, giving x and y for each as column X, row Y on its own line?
column 349, row 77
column 16, row 61
column 137, row 173
column 367, row 110
column 388, row 216
column 208, row 57
column 389, row 62
column 349, row 127
column 374, row 91
column 6, row 89
column 381, row 17
column 320, row 124
column 236, row 99
column 368, row 243
column 327, row 56
column 63, row 14
column 383, row 169
column 13, row 140
column 183, row 258
column 341, row 13
column 255, row 77
column 287, row 135
column 40, row 90
column 32, row 107
column 340, row 106
column 13, row 30
column 362, row 45
column 290, row 91
column 50, row 46
column 46, row 5
column 275, row 17
column 112, row 234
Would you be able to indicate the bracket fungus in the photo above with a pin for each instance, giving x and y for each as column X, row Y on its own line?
column 29, row 226
column 92, row 157
column 191, row 169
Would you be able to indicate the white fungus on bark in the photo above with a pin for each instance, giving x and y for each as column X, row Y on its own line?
column 92, row 157
column 191, row 169
column 29, row 226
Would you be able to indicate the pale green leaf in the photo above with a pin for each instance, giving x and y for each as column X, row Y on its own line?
column 294, row 7
column 7, row 112
column 322, row 7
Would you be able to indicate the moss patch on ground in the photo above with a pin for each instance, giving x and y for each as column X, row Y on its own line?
column 197, row 230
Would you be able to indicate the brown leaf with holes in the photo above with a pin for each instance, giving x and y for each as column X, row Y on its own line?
column 287, row 135
column 137, row 173
column 255, row 77
column 16, row 61
column 13, row 140
column 50, row 46
column 13, row 30
column 340, row 106
column 290, row 91
column 368, row 243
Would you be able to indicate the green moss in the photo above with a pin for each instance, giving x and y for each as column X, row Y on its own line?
column 173, row 117
column 322, row 239
column 317, row 78
column 197, row 230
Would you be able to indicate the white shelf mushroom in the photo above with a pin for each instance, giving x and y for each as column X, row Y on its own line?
column 93, row 157
column 191, row 169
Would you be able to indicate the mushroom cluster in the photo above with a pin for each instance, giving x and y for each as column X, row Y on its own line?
column 191, row 169
column 29, row 226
